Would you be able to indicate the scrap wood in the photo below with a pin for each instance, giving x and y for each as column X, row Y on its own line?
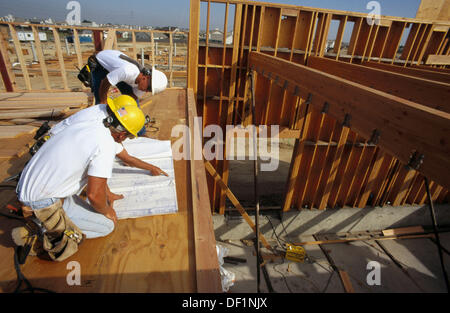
column 346, row 281
column 403, row 231
column 321, row 242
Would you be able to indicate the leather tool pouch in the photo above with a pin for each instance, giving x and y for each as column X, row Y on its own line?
column 62, row 236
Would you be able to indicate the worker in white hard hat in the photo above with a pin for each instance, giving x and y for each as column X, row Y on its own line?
column 80, row 154
column 113, row 68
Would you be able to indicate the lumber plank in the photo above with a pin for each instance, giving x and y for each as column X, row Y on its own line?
column 346, row 281
column 12, row 114
column 395, row 118
column 15, row 131
column 403, row 231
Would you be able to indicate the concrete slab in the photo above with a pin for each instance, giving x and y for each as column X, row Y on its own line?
column 314, row 275
column 354, row 258
column 308, row 222
column 420, row 259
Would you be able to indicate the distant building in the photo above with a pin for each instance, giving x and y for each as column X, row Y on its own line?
column 29, row 36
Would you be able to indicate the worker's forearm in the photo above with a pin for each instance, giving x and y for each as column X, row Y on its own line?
column 135, row 162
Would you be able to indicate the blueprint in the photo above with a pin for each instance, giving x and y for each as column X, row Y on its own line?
column 145, row 195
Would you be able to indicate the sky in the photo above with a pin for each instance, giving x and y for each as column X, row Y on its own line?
column 175, row 12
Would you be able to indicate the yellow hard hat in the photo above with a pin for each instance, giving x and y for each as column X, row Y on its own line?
column 126, row 111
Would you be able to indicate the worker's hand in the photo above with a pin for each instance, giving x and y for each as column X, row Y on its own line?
column 156, row 171
column 111, row 197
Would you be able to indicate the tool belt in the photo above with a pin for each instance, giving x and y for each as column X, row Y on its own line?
column 85, row 74
column 62, row 236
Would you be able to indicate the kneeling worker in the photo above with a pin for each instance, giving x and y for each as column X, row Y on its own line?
column 79, row 153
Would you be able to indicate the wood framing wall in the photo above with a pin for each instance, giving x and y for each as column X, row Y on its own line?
column 331, row 166
column 62, row 63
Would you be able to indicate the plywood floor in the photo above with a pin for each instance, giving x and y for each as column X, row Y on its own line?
column 150, row 254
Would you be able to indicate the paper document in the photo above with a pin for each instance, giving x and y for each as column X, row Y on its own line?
column 145, row 195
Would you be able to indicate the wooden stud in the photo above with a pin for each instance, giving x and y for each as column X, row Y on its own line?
column 354, row 38
column 171, row 60
column 76, row 41
column 194, row 29
column 8, row 77
column 59, row 54
column 19, row 53
column 334, row 167
column 411, row 41
column 340, row 36
column 231, row 92
column 297, row 156
column 133, row 42
column 41, row 57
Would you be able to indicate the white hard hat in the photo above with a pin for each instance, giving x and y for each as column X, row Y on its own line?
column 159, row 81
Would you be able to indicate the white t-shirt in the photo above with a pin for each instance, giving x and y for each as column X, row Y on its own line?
column 119, row 70
column 94, row 115
column 61, row 166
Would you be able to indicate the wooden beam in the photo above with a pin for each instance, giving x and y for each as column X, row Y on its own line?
column 367, row 109
column 206, row 261
column 429, row 93
column 410, row 71
column 194, row 29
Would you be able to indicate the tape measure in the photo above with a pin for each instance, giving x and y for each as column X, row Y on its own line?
column 295, row 253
